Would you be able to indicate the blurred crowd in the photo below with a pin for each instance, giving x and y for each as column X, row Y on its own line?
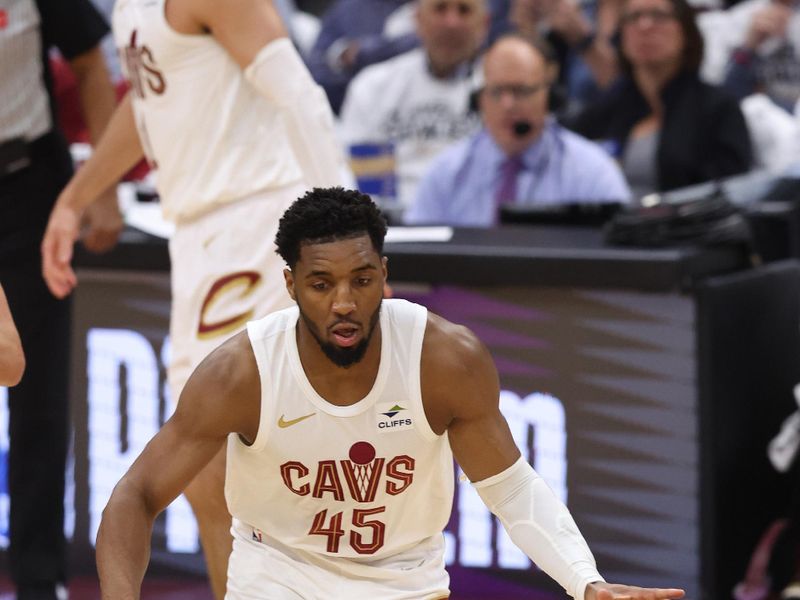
column 450, row 109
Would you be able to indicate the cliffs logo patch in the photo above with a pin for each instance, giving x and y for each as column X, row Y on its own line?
column 392, row 417
column 393, row 411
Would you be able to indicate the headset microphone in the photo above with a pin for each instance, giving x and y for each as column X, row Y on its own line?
column 521, row 128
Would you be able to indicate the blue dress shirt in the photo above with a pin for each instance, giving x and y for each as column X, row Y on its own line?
column 559, row 167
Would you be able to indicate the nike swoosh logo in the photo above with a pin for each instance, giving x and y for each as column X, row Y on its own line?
column 282, row 423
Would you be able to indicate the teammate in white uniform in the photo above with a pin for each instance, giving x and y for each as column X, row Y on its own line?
column 340, row 416
column 222, row 105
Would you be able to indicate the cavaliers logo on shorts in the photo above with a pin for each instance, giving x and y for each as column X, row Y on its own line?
column 230, row 289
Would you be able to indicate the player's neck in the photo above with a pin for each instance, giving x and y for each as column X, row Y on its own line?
column 341, row 386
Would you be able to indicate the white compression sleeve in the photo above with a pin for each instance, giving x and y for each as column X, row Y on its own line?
column 541, row 526
column 278, row 73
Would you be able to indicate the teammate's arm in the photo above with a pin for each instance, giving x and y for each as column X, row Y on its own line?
column 221, row 396
column 117, row 151
column 461, row 395
column 253, row 33
column 97, row 99
column 12, row 358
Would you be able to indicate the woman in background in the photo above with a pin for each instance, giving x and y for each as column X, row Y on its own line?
column 666, row 127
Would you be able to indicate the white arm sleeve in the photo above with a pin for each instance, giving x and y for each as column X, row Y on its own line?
column 541, row 526
column 278, row 73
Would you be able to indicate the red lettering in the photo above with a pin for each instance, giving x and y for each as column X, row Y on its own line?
column 405, row 477
column 378, row 530
column 333, row 532
column 286, row 475
column 328, row 481
column 156, row 79
column 141, row 68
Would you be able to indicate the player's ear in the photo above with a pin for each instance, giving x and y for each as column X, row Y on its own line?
column 387, row 289
column 288, row 277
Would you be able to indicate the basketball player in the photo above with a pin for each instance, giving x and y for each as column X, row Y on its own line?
column 342, row 415
column 12, row 359
column 221, row 103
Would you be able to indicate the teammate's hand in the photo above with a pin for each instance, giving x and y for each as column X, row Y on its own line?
column 62, row 231
column 613, row 591
column 102, row 224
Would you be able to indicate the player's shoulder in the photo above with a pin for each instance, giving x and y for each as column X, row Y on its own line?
column 451, row 348
column 458, row 376
column 226, row 379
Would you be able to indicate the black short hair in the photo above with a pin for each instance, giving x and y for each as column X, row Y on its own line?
column 326, row 215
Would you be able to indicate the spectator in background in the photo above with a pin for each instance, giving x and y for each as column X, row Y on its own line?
column 752, row 49
column 521, row 156
column 580, row 34
column 419, row 101
column 762, row 39
column 35, row 165
column 667, row 128
column 352, row 37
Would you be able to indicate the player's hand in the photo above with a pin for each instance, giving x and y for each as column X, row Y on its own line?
column 613, row 591
column 59, row 238
column 102, row 224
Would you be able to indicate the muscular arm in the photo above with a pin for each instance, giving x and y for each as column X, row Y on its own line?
column 12, row 359
column 460, row 391
column 222, row 396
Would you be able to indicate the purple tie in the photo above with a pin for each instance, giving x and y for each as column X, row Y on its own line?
column 507, row 188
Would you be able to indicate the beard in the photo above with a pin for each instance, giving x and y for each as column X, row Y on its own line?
column 343, row 357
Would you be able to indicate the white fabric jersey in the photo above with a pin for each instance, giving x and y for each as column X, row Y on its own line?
column 399, row 101
column 354, row 489
column 213, row 138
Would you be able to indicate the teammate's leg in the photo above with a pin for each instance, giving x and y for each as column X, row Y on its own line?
column 207, row 499
column 225, row 272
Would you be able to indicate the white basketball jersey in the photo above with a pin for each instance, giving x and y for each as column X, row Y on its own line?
column 210, row 135
column 361, row 483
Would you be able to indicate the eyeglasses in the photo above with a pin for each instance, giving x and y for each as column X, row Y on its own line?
column 516, row 91
column 656, row 15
